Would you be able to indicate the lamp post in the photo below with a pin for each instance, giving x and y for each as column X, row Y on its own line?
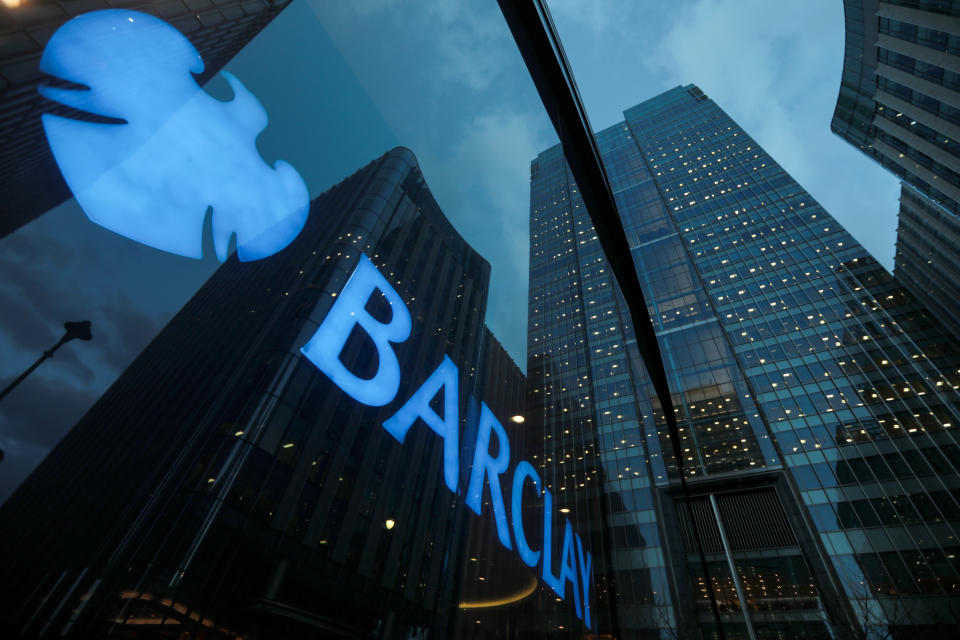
column 74, row 330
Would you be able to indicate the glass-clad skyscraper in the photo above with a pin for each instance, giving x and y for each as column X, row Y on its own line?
column 817, row 403
column 899, row 103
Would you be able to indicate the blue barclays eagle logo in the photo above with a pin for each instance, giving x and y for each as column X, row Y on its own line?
column 179, row 152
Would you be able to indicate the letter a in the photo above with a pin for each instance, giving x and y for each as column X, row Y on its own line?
column 586, row 579
column 327, row 343
column 568, row 567
column 447, row 427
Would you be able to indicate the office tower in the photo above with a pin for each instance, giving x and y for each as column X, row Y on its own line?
column 899, row 103
column 30, row 182
column 927, row 261
column 224, row 487
column 816, row 402
column 499, row 594
column 899, row 96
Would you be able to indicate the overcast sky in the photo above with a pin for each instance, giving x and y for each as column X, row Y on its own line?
column 344, row 82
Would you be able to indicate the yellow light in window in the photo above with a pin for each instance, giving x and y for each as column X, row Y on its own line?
column 11, row 4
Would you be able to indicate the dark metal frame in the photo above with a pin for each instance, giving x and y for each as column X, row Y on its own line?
column 538, row 42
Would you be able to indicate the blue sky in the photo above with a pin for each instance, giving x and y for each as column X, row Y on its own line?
column 344, row 82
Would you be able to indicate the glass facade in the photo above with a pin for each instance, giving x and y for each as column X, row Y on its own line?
column 928, row 250
column 899, row 103
column 809, row 388
column 899, row 100
column 313, row 403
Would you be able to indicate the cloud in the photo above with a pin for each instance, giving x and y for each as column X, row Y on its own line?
column 483, row 185
column 465, row 44
column 473, row 44
column 605, row 18
column 62, row 267
column 36, row 300
column 48, row 282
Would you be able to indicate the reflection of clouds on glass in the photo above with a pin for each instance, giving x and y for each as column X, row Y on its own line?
column 475, row 45
column 60, row 267
column 450, row 83
column 485, row 180
column 50, row 280
column 604, row 18
column 471, row 42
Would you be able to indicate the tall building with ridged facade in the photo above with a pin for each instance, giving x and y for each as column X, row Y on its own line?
column 817, row 402
column 899, row 103
column 224, row 487
column 30, row 182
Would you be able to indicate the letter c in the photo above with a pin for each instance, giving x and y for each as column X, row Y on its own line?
column 523, row 471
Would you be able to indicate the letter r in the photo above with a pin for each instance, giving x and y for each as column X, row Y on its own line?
column 485, row 465
column 349, row 310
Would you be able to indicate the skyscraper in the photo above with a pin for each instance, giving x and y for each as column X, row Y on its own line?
column 30, row 182
column 899, row 103
column 816, row 401
column 225, row 487
column 927, row 261
column 899, row 100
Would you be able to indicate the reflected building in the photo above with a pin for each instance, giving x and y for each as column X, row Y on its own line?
column 30, row 182
column 899, row 103
column 500, row 597
column 223, row 487
column 816, row 402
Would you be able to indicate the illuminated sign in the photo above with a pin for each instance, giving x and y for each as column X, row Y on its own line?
column 175, row 152
column 574, row 565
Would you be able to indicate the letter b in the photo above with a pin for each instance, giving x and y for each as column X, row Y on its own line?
column 327, row 343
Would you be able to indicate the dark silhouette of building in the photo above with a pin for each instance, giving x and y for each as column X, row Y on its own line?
column 224, row 487
column 30, row 182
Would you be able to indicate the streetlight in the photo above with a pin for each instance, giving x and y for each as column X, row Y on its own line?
column 75, row 330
